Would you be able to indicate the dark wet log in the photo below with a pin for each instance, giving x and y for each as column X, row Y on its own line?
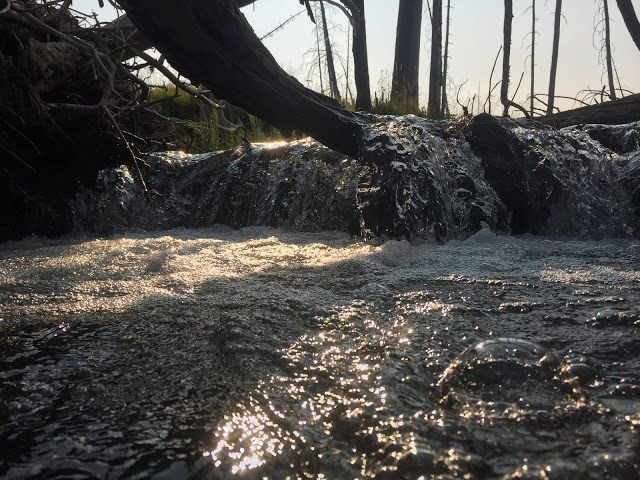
column 618, row 112
column 213, row 44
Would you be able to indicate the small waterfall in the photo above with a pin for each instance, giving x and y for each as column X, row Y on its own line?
column 416, row 178
column 422, row 179
column 299, row 185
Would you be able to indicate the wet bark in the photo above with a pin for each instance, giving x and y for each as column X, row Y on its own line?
column 213, row 44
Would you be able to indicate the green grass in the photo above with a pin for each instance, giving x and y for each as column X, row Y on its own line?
column 198, row 134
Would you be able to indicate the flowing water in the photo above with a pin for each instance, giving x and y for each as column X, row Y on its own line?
column 262, row 353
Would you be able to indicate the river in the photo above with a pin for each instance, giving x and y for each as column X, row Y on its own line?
column 265, row 353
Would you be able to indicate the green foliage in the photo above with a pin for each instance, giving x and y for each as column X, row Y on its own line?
column 199, row 129
column 173, row 102
column 383, row 105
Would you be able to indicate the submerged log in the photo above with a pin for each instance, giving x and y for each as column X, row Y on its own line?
column 617, row 112
column 213, row 44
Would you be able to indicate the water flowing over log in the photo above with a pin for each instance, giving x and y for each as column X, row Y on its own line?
column 213, row 44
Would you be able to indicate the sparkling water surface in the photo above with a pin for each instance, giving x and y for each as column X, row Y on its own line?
column 262, row 353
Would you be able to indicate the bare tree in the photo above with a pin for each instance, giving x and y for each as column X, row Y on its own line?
column 355, row 13
column 506, row 61
column 360, row 57
column 630, row 20
column 533, row 57
column 434, row 108
column 404, row 85
column 331, row 69
column 607, row 46
column 554, row 57
column 445, row 60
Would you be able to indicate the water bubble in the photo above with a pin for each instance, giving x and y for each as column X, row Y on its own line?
column 610, row 317
column 509, row 370
column 584, row 371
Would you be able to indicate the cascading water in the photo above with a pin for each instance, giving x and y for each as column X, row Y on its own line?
column 263, row 352
column 415, row 179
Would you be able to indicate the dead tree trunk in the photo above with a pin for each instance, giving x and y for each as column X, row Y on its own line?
column 360, row 58
column 434, row 108
column 331, row 69
column 445, row 60
column 554, row 58
column 212, row 43
column 506, row 61
column 533, row 58
column 404, row 85
column 607, row 46
column 506, row 54
column 124, row 27
column 630, row 20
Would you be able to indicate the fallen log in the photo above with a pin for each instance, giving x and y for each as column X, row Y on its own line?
column 123, row 26
column 616, row 112
column 212, row 43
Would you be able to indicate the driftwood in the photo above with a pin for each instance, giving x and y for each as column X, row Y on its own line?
column 617, row 112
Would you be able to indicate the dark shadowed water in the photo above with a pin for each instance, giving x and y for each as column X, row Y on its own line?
column 260, row 353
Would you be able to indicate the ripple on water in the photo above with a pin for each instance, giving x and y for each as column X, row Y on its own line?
column 306, row 354
column 503, row 371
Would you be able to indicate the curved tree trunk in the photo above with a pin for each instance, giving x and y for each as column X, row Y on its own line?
column 404, row 85
column 554, row 58
column 212, row 43
column 630, row 20
column 125, row 27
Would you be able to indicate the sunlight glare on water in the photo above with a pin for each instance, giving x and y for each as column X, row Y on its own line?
column 261, row 353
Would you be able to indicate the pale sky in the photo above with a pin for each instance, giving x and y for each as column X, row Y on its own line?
column 476, row 35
